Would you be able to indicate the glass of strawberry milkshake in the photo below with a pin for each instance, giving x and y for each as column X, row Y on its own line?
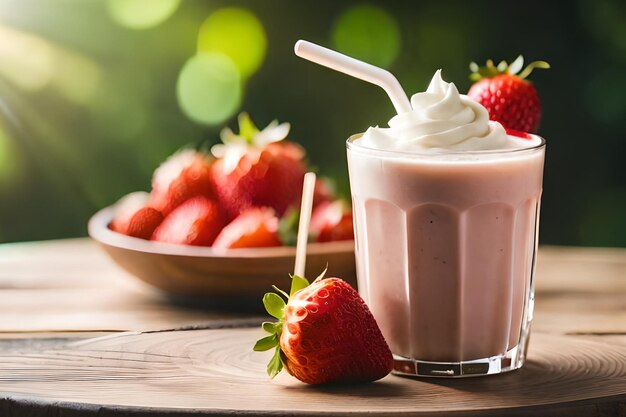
column 446, row 212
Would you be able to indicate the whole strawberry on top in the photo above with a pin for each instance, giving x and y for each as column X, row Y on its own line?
column 504, row 91
column 256, row 168
column 325, row 334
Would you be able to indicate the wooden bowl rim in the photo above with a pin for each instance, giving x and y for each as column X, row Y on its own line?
column 98, row 230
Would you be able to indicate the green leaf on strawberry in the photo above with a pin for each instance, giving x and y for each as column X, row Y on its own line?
column 266, row 343
column 515, row 66
column 274, row 304
column 298, row 283
column 275, row 365
column 271, row 327
column 490, row 70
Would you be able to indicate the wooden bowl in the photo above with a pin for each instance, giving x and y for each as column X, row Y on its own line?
column 224, row 276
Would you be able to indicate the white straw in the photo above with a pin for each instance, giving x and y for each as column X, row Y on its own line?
column 358, row 69
column 303, row 226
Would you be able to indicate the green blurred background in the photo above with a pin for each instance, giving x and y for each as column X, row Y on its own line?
column 94, row 94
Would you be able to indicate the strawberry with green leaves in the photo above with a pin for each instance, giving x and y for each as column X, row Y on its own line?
column 325, row 334
column 258, row 168
column 505, row 92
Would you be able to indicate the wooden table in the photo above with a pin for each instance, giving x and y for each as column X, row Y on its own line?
column 80, row 337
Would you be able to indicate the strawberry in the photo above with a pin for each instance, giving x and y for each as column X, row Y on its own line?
column 509, row 97
column 254, row 228
column 517, row 133
column 324, row 191
column 325, row 334
column 134, row 218
column 125, row 208
column 144, row 222
column 184, row 175
column 256, row 169
column 197, row 222
column 344, row 230
column 331, row 221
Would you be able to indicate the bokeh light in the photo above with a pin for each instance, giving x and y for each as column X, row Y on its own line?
column 47, row 64
column 236, row 33
column 31, row 71
column 141, row 14
column 209, row 88
column 77, row 78
column 368, row 33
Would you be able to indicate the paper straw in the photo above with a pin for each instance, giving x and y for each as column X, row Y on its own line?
column 305, row 219
column 358, row 69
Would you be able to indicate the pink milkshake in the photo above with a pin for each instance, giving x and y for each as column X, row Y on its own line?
column 446, row 210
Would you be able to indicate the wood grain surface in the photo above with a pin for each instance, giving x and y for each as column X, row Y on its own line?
column 72, row 286
column 55, row 297
column 215, row 371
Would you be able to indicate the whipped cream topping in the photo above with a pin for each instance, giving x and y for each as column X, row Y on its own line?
column 441, row 120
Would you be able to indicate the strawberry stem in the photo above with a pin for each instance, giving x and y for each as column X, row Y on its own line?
column 283, row 293
column 321, row 276
column 532, row 66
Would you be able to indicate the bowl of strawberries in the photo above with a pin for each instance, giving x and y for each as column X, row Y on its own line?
column 222, row 225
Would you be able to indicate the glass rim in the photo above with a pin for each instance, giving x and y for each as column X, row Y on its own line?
column 404, row 154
